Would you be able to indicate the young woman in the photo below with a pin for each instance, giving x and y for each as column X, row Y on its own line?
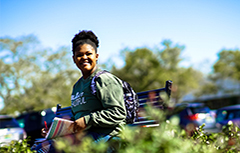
column 100, row 116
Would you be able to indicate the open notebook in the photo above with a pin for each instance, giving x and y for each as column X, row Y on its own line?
column 59, row 127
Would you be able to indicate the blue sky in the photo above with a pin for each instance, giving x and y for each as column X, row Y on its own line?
column 204, row 27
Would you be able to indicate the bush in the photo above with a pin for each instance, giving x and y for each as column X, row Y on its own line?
column 20, row 146
column 165, row 138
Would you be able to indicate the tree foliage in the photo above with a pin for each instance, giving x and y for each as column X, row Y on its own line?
column 33, row 78
column 142, row 69
column 225, row 70
column 147, row 69
column 228, row 64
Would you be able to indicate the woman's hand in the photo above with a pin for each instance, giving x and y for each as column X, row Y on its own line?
column 79, row 125
column 44, row 132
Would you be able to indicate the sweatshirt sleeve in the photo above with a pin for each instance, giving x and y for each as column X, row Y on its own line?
column 110, row 93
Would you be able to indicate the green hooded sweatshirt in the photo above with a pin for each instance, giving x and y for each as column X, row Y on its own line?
column 104, row 113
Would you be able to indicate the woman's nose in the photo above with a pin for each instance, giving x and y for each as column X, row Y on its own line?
column 84, row 56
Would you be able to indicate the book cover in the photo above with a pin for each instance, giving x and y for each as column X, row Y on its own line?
column 59, row 127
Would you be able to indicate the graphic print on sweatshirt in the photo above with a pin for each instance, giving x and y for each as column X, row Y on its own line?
column 78, row 99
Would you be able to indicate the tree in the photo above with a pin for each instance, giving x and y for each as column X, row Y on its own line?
column 228, row 65
column 185, row 80
column 33, row 78
column 225, row 71
column 145, row 69
column 142, row 70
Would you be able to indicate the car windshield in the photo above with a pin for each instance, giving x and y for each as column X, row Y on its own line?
column 227, row 115
column 196, row 110
column 8, row 123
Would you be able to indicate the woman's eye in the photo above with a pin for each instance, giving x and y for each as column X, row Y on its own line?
column 81, row 55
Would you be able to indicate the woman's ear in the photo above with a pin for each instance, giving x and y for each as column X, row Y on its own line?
column 97, row 56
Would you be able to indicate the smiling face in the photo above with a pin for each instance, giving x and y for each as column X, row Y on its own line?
column 85, row 57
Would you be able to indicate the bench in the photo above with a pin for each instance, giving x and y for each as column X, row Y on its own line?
column 152, row 97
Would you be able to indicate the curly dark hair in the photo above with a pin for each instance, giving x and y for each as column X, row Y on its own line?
column 83, row 35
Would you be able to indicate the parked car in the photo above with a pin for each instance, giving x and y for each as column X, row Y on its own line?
column 10, row 130
column 192, row 115
column 33, row 122
column 226, row 114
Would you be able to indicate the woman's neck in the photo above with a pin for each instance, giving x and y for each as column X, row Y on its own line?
column 88, row 73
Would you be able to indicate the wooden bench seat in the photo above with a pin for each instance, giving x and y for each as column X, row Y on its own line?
column 152, row 97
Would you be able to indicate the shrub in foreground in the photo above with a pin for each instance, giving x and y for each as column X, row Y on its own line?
column 20, row 146
column 165, row 138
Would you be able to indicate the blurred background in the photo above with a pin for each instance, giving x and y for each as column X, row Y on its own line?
column 193, row 43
